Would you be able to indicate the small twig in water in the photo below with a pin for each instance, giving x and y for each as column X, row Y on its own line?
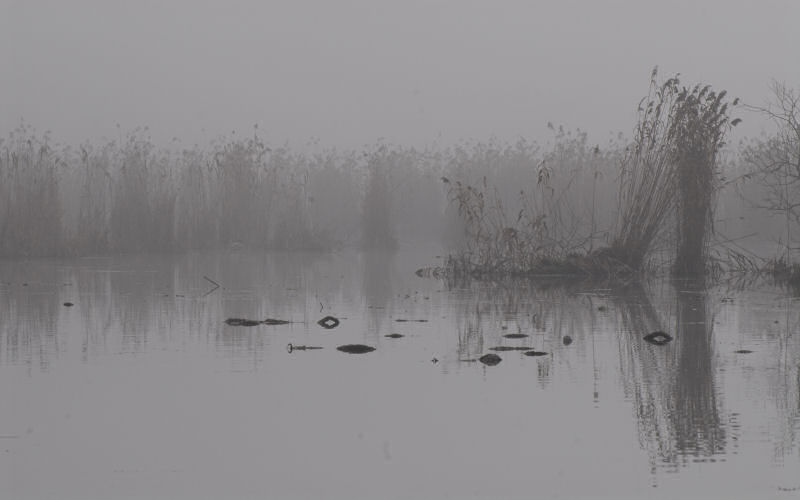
column 216, row 285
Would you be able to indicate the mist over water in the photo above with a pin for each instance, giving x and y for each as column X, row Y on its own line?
column 399, row 249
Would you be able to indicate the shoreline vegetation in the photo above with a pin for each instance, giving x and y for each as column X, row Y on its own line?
column 616, row 212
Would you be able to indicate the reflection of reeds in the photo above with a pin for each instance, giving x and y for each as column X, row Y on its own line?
column 699, row 430
column 673, row 386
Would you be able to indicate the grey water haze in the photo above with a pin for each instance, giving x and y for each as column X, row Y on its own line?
column 349, row 72
column 140, row 390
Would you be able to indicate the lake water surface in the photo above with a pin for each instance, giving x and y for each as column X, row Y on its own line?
column 140, row 390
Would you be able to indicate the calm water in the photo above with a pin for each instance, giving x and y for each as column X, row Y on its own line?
column 140, row 390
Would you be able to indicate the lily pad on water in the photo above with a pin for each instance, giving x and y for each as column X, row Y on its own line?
column 242, row 322
column 515, row 335
column 355, row 348
column 535, row 353
column 567, row 340
column 328, row 322
column 510, row 348
column 394, row 336
column 490, row 359
column 658, row 338
column 271, row 321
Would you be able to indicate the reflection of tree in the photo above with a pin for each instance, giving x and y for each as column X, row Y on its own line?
column 672, row 386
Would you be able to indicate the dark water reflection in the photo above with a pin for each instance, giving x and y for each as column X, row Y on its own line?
column 142, row 379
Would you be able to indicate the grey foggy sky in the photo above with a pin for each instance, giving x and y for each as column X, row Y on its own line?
column 349, row 72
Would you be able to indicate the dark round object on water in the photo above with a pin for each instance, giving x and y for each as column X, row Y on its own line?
column 602, row 308
column 490, row 359
column 68, row 304
column 394, row 336
column 328, row 322
column 567, row 340
column 743, row 351
column 515, row 335
column 658, row 338
column 355, row 348
column 535, row 353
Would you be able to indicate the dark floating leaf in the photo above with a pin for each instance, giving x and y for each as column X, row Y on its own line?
column 567, row 340
column 490, row 359
column 743, row 351
column 535, row 353
column 510, row 348
column 394, row 336
column 515, row 335
column 242, row 322
column 68, row 304
column 328, row 322
column 355, row 348
column 401, row 320
column 291, row 347
column 658, row 338
column 270, row 321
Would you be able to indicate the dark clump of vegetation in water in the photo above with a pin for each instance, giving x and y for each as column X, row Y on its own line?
column 355, row 348
column 668, row 173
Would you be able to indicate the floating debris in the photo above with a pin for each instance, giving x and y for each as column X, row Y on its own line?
column 490, row 359
column 567, row 340
column 355, row 348
column 328, row 322
column 431, row 272
column 434, row 360
column 394, row 336
column 515, row 335
column 510, row 348
column 743, row 351
column 535, row 353
column 291, row 347
column 271, row 321
column 658, row 338
column 68, row 304
column 242, row 322
column 401, row 320
column 602, row 308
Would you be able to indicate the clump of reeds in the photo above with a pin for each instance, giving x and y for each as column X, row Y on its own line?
column 377, row 222
column 783, row 271
column 671, row 168
column 647, row 177
column 30, row 206
column 698, row 130
column 548, row 228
